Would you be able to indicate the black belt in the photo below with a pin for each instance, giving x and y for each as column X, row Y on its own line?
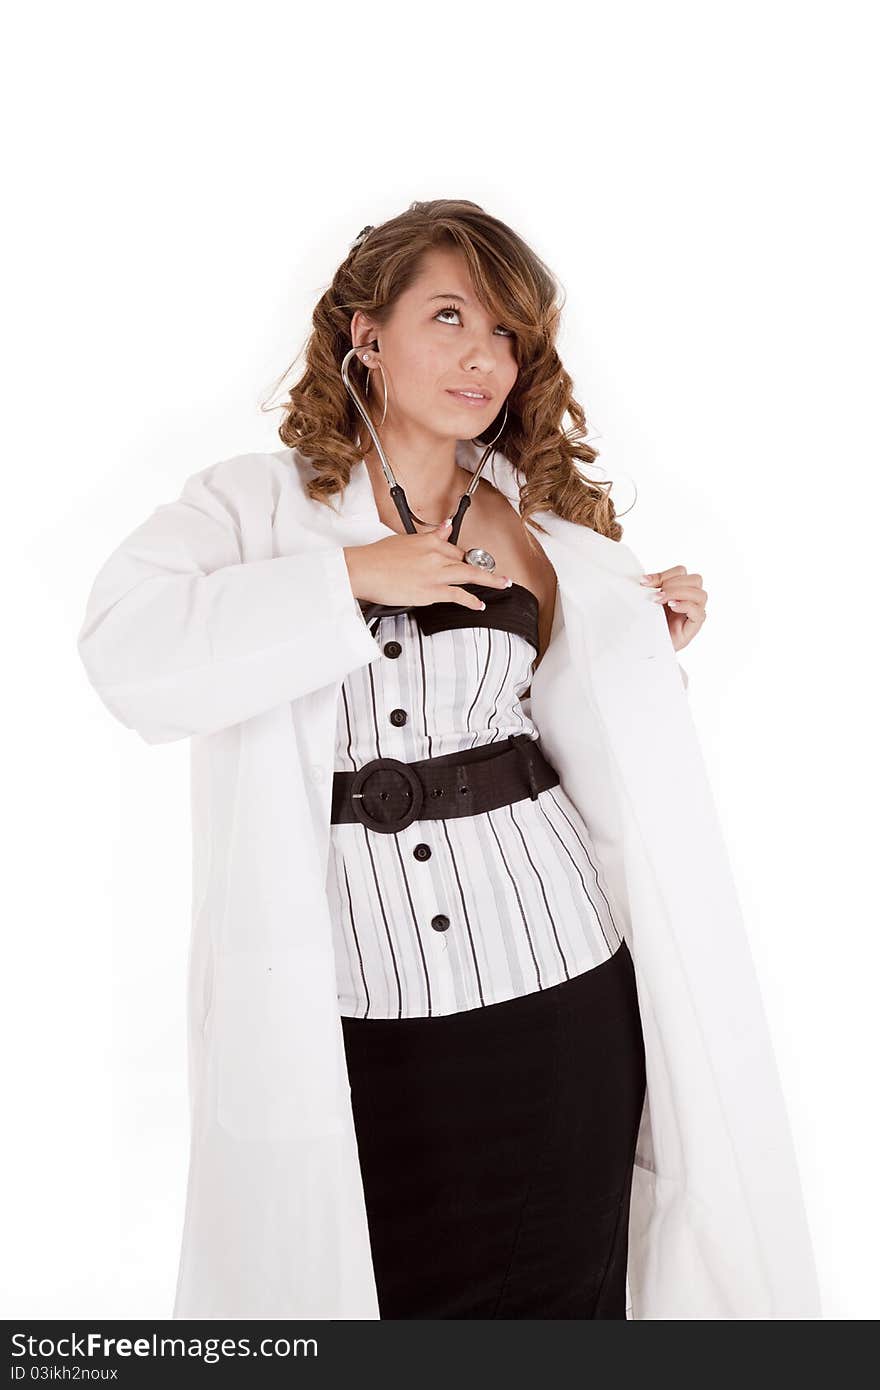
column 387, row 795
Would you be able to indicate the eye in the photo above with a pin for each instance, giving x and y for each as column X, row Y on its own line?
column 454, row 309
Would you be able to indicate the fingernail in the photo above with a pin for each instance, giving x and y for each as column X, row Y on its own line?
column 482, row 604
column 646, row 579
column 508, row 581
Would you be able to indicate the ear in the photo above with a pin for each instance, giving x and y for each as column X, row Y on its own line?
column 363, row 331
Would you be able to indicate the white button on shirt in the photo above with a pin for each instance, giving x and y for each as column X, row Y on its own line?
column 449, row 915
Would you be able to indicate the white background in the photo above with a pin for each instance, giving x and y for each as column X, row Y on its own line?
column 181, row 182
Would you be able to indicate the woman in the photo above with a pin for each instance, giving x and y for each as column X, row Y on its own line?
column 449, row 1033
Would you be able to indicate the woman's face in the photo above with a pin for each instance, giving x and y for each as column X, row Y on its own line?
column 439, row 339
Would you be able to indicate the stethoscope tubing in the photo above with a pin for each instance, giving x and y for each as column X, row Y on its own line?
column 396, row 489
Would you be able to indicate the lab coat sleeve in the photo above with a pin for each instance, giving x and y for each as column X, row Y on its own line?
column 182, row 637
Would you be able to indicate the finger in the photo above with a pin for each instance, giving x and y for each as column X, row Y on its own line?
column 445, row 547
column 454, row 593
column 693, row 612
column 686, row 582
column 441, row 533
column 438, row 538
column 676, row 588
column 451, row 552
column 472, row 574
column 660, row 575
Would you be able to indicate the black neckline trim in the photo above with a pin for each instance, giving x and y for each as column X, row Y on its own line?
column 500, row 592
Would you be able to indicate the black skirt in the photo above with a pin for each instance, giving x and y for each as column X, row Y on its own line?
column 496, row 1147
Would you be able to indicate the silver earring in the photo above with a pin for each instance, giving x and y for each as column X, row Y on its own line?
column 384, row 384
column 500, row 429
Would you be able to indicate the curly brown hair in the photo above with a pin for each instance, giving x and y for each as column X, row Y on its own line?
column 511, row 282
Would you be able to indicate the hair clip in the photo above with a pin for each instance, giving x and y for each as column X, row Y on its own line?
column 362, row 236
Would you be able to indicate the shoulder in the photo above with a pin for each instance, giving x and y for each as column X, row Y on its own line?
column 493, row 501
column 256, row 480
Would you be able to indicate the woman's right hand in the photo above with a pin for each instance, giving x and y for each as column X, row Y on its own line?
column 416, row 570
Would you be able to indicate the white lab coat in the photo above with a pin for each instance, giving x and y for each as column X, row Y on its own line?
column 228, row 618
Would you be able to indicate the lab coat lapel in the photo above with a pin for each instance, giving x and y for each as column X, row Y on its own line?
column 717, row 1206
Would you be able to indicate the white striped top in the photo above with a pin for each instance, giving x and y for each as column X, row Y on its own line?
column 449, row 915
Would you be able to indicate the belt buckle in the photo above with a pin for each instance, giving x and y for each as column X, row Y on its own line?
column 357, row 794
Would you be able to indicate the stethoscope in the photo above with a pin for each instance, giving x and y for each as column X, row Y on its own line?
column 476, row 556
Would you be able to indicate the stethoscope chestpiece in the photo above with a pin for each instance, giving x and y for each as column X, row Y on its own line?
column 480, row 559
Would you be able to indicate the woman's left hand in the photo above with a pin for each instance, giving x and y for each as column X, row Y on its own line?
column 683, row 594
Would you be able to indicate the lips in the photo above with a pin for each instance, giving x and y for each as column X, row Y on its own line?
column 480, row 399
